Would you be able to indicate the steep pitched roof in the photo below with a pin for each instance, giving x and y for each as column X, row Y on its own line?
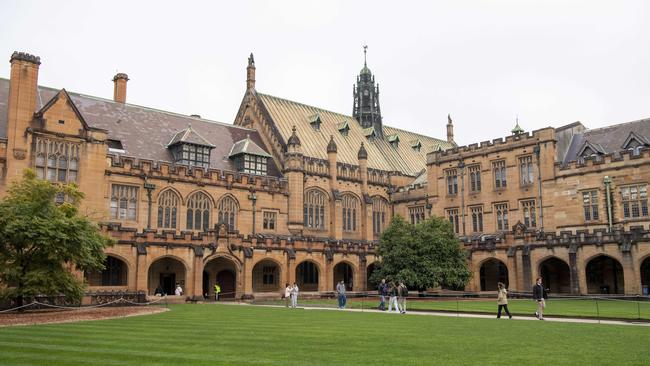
column 381, row 155
column 247, row 146
column 145, row 132
column 189, row 136
column 607, row 140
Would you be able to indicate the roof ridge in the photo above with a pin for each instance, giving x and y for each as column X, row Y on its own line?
column 617, row 125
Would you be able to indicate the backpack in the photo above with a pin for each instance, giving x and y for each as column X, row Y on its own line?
column 405, row 291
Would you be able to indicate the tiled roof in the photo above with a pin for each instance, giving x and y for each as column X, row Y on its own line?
column 381, row 154
column 607, row 140
column 146, row 132
column 247, row 146
column 190, row 136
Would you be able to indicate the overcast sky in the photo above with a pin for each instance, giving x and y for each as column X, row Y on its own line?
column 485, row 62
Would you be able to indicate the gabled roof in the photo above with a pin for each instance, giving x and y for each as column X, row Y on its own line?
column 634, row 137
column 593, row 147
column 145, row 132
column 189, row 136
column 69, row 102
column 393, row 138
column 382, row 155
column 247, row 146
column 607, row 140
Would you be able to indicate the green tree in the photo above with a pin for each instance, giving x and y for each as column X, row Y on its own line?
column 41, row 242
column 423, row 256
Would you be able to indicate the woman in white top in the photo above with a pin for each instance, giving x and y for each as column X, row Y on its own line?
column 287, row 294
column 294, row 295
column 179, row 290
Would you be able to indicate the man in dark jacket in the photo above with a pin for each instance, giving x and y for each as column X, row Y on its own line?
column 383, row 292
column 540, row 295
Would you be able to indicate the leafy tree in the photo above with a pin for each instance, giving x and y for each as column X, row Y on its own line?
column 423, row 256
column 41, row 242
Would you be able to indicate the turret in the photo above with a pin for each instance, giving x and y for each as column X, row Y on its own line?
column 450, row 129
column 293, row 170
column 250, row 73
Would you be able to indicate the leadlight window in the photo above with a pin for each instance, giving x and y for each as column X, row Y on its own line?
column 124, row 202
column 198, row 212
column 635, row 201
column 590, row 205
column 477, row 218
column 474, row 178
column 269, row 275
column 314, row 209
column 499, row 170
column 168, row 203
column 379, row 208
column 56, row 161
column 416, row 214
column 192, row 155
column 501, row 210
column 530, row 216
column 526, row 170
column 269, row 220
column 452, row 216
column 227, row 212
column 350, row 207
column 452, row 181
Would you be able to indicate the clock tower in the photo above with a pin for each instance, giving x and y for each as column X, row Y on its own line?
column 366, row 99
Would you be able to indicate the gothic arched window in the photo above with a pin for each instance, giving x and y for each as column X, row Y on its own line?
column 350, row 208
column 314, row 209
column 198, row 211
column 379, row 208
column 168, row 202
column 227, row 212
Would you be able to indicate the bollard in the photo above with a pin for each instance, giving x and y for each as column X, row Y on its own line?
column 597, row 310
column 638, row 307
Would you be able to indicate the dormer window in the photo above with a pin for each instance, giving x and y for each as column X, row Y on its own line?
column 590, row 150
column 314, row 121
column 634, row 143
column 115, row 146
column 188, row 147
column 344, row 128
column 416, row 145
column 249, row 157
column 394, row 141
column 370, row 133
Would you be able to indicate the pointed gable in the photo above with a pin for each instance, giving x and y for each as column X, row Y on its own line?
column 60, row 114
column 189, row 136
column 247, row 146
column 633, row 141
column 589, row 149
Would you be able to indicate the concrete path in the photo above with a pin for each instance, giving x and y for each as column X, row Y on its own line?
column 471, row 315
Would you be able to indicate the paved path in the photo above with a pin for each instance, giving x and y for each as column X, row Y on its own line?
column 470, row 315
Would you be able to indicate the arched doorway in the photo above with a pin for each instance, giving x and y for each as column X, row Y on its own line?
column 604, row 276
column 266, row 276
column 492, row 272
column 556, row 275
column 115, row 273
column 344, row 272
column 307, row 276
column 166, row 272
column 370, row 285
column 645, row 276
column 223, row 271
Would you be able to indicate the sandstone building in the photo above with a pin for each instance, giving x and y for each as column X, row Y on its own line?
column 291, row 192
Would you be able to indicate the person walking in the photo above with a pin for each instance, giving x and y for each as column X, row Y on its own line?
column 393, row 297
column 179, row 290
column 217, row 291
column 502, row 300
column 287, row 294
column 540, row 295
column 340, row 290
column 294, row 295
column 402, row 293
column 383, row 292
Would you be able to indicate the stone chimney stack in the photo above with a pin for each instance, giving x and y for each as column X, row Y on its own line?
column 119, row 87
column 22, row 103
column 250, row 73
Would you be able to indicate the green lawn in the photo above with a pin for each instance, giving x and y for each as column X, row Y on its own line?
column 562, row 307
column 208, row 334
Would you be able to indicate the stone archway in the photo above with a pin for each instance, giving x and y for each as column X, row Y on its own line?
column 645, row 276
column 266, row 276
column 115, row 273
column 344, row 271
column 223, row 271
column 492, row 272
column 307, row 276
column 604, row 276
column 556, row 275
column 166, row 273
column 370, row 286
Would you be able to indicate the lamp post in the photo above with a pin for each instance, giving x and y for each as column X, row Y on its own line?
column 149, row 187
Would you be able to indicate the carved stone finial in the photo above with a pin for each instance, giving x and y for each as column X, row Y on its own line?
column 251, row 60
column 331, row 146
column 293, row 139
column 363, row 154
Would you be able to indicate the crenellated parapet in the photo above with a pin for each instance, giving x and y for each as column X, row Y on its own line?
column 616, row 160
column 163, row 170
column 487, row 147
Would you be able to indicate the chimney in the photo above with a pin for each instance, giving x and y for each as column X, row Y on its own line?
column 22, row 103
column 119, row 87
column 250, row 73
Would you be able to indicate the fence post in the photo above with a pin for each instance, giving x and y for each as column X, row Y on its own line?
column 638, row 307
column 457, row 308
column 597, row 310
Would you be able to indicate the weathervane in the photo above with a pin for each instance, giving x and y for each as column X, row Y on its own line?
column 365, row 47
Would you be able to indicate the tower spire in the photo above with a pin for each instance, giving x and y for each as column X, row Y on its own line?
column 365, row 49
column 366, row 99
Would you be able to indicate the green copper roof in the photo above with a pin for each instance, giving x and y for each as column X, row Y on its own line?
column 517, row 130
column 365, row 70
